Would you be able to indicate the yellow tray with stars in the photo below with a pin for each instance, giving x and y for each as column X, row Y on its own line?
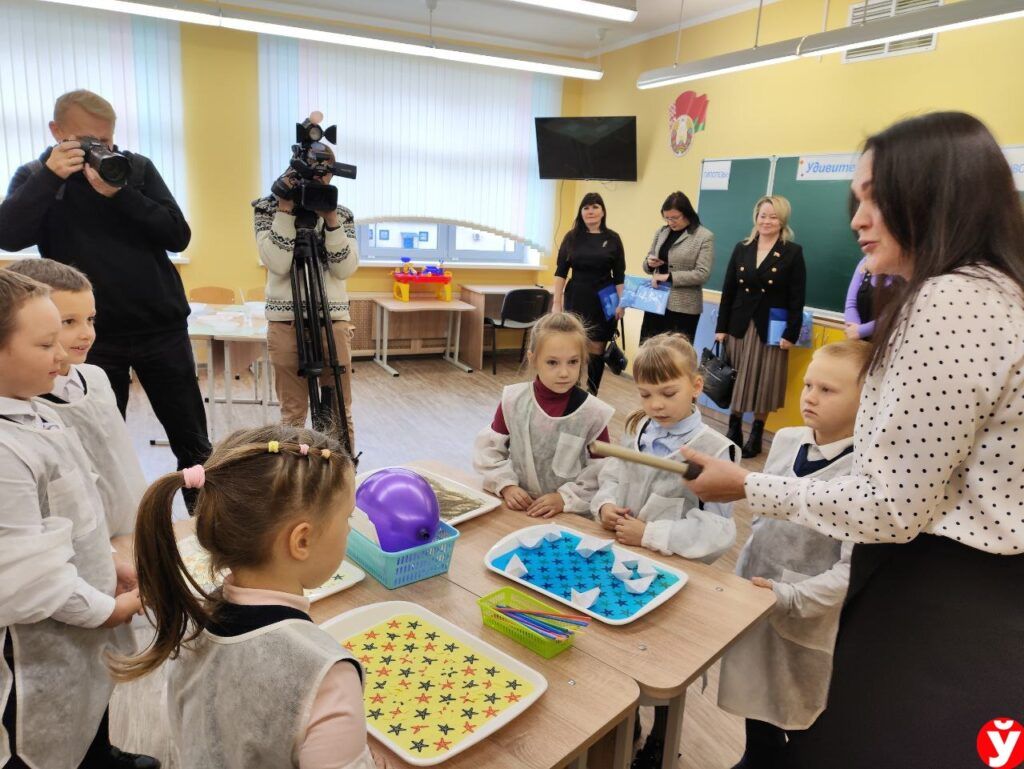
column 432, row 690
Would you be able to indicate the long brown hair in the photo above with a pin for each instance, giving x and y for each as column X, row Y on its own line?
column 661, row 359
column 946, row 193
column 249, row 495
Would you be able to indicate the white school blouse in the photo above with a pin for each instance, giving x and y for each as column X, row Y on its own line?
column 939, row 441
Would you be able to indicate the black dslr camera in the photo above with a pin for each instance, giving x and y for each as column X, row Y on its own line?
column 311, row 161
column 113, row 167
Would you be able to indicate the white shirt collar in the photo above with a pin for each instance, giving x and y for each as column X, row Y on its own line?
column 68, row 387
column 831, row 450
column 24, row 413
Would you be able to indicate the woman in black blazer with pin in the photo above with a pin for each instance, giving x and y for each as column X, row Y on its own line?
column 766, row 272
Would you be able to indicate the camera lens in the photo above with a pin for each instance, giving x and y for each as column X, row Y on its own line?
column 114, row 170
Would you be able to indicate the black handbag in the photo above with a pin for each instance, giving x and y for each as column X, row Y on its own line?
column 614, row 357
column 719, row 375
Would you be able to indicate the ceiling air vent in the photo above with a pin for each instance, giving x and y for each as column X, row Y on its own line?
column 883, row 9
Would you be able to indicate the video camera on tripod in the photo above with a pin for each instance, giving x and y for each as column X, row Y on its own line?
column 311, row 161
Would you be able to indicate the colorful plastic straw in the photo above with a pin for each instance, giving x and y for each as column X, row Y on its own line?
column 543, row 622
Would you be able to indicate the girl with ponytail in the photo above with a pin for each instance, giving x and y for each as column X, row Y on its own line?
column 252, row 681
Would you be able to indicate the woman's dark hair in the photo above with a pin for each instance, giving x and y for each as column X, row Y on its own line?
column 579, row 228
column 677, row 201
column 946, row 193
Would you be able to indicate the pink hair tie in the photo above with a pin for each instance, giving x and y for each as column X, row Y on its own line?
column 304, row 449
column 194, row 476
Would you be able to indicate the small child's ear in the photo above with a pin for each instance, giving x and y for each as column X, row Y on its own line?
column 698, row 387
column 298, row 540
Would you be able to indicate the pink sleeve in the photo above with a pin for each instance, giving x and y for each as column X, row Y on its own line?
column 336, row 734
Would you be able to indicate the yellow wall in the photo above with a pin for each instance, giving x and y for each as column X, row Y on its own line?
column 814, row 105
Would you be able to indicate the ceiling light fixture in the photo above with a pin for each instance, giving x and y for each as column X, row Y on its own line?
column 967, row 13
column 613, row 10
column 192, row 14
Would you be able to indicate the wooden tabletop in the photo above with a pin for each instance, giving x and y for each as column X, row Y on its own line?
column 664, row 651
column 585, row 697
column 391, row 304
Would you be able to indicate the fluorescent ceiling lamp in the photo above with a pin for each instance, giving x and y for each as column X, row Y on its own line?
column 762, row 56
column 967, row 13
column 603, row 9
column 194, row 14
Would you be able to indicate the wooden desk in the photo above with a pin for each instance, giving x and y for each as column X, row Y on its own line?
column 486, row 302
column 387, row 305
column 664, row 651
column 586, row 701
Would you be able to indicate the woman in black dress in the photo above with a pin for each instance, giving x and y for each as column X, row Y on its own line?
column 597, row 260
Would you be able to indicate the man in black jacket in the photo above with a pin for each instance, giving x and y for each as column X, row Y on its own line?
column 119, row 237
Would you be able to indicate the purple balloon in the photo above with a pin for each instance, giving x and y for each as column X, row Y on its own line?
column 402, row 506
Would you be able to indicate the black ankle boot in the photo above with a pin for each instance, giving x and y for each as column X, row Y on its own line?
column 124, row 760
column 752, row 447
column 735, row 433
column 595, row 372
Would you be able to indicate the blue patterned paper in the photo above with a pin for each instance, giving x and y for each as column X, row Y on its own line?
column 559, row 569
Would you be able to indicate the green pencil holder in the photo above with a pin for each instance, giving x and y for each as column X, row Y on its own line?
column 515, row 599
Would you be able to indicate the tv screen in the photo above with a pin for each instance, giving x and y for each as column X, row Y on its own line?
column 602, row 148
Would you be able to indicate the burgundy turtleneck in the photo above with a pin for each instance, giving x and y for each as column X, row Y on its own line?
column 554, row 405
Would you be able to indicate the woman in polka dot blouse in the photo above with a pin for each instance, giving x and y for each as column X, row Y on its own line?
column 930, row 644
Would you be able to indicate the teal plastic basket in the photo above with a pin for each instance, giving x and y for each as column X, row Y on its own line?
column 406, row 566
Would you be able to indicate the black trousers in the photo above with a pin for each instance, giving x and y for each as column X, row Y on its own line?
column 929, row 650
column 166, row 369
column 98, row 755
column 683, row 322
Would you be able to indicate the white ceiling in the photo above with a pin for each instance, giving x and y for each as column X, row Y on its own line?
column 507, row 23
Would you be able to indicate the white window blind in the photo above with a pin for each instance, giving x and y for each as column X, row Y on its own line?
column 433, row 140
column 134, row 63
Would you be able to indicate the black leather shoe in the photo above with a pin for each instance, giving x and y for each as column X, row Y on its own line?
column 752, row 447
column 649, row 756
column 120, row 759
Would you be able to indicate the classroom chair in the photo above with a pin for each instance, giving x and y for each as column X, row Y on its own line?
column 521, row 309
column 212, row 295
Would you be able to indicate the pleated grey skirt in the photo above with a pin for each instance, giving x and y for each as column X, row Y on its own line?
column 761, row 373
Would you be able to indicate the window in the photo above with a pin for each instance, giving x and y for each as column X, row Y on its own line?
column 434, row 141
column 451, row 243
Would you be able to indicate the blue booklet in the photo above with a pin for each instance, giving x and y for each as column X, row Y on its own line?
column 639, row 294
column 778, row 318
column 609, row 297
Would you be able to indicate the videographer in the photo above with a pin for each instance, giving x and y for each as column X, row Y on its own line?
column 112, row 216
column 275, row 238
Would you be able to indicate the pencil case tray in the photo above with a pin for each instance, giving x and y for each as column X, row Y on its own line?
column 516, row 599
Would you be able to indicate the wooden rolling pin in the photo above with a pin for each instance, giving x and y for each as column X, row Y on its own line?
column 687, row 470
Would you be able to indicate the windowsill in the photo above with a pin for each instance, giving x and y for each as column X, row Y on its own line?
column 13, row 257
column 392, row 263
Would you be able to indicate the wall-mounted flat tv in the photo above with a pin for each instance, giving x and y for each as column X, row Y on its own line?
column 602, row 148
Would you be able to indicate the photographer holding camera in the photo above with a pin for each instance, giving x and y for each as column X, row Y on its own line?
column 275, row 239
column 111, row 215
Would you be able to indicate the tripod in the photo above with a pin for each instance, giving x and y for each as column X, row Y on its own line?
column 313, row 316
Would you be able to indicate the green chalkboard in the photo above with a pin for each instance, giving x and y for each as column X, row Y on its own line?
column 821, row 222
column 728, row 213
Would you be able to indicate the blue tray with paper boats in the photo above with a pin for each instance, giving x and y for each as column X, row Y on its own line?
column 591, row 574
